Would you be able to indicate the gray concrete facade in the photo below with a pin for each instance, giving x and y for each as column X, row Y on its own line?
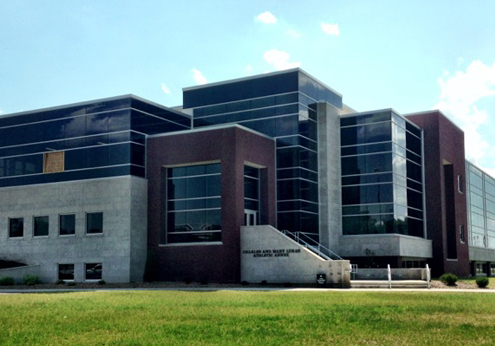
column 19, row 272
column 268, row 255
column 121, row 248
column 329, row 181
column 385, row 245
column 480, row 254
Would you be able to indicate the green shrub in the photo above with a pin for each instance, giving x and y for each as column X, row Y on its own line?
column 30, row 280
column 449, row 279
column 71, row 283
column 59, row 282
column 244, row 283
column 7, row 281
column 482, row 281
column 102, row 282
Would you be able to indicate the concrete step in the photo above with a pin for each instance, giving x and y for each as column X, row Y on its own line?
column 385, row 284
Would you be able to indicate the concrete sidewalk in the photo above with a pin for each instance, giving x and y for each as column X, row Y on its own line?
column 262, row 289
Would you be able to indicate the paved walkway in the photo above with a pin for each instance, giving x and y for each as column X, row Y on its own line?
column 206, row 289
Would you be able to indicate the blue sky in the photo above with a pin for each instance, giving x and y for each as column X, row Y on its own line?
column 408, row 55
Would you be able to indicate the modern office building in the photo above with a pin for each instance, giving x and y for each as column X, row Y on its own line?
column 123, row 189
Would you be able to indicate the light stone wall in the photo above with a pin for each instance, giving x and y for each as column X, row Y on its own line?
column 18, row 273
column 329, row 181
column 268, row 255
column 121, row 248
column 397, row 274
column 481, row 254
column 385, row 245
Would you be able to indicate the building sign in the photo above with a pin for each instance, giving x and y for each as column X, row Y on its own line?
column 271, row 253
column 53, row 162
column 321, row 279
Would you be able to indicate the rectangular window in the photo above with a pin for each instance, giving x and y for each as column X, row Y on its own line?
column 460, row 184
column 40, row 226
column 66, row 271
column 462, row 234
column 94, row 223
column 16, row 227
column 67, row 224
column 93, row 271
column 194, row 204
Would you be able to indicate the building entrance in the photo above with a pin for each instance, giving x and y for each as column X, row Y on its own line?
column 250, row 217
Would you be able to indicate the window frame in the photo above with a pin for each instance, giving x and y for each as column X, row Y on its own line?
column 73, row 272
column 87, row 223
column 35, row 229
column 188, row 174
column 95, row 264
column 60, row 225
column 10, row 228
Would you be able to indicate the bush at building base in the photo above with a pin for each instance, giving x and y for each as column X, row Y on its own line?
column 482, row 281
column 31, row 280
column 449, row 279
column 7, row 281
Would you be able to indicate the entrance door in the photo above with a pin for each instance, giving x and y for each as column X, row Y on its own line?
column 250, row 217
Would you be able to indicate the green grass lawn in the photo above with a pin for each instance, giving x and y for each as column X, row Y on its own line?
column 247, row 318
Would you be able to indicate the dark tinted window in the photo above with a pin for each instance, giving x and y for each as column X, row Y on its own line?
column 94, row 223
column 16, row 227
column 67, row 224
column 40, row 224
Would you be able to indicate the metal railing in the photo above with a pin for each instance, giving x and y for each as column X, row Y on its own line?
column 311, row 244
column 389, row 275
column 428, row 275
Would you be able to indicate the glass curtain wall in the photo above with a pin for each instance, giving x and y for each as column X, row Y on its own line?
column 282, row 106
column 194, row 204
column 382, row 179
column 103, row 138
column 252, row 194
column 480, row 195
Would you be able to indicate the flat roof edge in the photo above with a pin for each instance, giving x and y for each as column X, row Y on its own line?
column 275, row 73
column 211, row 128
column 88, row 102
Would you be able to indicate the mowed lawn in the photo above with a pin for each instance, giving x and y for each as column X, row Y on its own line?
column 247, row 318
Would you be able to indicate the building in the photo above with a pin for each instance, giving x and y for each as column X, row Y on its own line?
column 123, row 189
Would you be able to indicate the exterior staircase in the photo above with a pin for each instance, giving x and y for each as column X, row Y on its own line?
column 311, row 244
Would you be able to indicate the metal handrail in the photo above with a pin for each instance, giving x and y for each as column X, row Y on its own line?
column 389, row 273
column 428, row 275
column 321, row 250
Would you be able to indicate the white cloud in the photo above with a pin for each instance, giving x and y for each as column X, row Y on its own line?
column 330, row 29
column 1, row 112
column 460, row 95
column 165, row 89
column 248, row 69
column 266, row 18
column 198, row 76
column 279, row 59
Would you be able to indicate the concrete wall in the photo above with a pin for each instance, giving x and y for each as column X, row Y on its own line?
column 268, row 255
column 121, row 248
column 329, row 168
column 397, row 274
column 481, row 254
column 18, row 272
column 385, row 245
